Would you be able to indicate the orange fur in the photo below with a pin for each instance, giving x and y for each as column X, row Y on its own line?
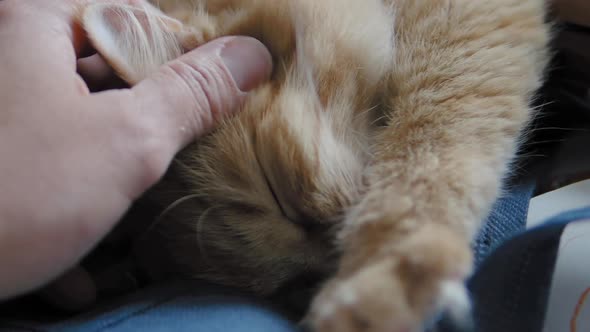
column 382, row 139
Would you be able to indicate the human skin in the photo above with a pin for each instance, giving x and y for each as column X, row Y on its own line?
column 66, row 177
column 74, row 161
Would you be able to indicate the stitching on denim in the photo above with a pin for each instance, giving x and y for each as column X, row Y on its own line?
column 524, row 265
column 148, row 308
column 506, row 219
column 547, row 291
column 136, row 313
column 522, row 268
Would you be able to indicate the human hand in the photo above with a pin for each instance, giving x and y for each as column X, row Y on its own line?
column 74, row 161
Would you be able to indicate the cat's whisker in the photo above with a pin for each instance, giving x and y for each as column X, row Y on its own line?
column 559, row 128
column 306, row 138
column 199, row 233
column 533, row 143
column 536, row 108
column 538, row 155
column 150, row 228
column 379, row 119
column 170, row 207
column 361, row 115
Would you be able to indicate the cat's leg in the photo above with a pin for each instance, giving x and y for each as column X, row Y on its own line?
column 464, row 74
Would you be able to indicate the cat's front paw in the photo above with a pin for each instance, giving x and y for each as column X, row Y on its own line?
column 405, row 291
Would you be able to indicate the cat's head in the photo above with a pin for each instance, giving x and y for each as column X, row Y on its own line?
column 255, row 204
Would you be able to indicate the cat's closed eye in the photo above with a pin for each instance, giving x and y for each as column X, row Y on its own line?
column 372, row 154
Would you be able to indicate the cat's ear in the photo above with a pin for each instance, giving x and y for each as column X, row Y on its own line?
column 134, row 39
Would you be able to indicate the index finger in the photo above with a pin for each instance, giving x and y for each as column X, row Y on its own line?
column 40, row 42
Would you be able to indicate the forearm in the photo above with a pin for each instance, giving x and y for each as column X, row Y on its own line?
column 37, row 244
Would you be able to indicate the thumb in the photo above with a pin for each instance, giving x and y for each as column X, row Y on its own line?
column 189, row 95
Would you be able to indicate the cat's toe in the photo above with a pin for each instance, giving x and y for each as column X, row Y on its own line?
column 403, row 292
column 375, row 300
column 367, row 301
column 455, row 310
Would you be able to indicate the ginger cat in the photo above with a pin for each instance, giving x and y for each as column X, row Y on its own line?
column 370, row 158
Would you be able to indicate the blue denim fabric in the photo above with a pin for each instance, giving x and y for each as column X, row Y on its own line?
column 507, row 218
column 511, row 287
column 177, row 307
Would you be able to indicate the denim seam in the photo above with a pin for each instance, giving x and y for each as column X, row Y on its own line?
column 137, row 313
column 523, row 267
column 146, row 309
column 552, row 274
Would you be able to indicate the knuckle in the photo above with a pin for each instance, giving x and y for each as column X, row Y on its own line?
column 153, row 160
column 10, row 8
column 207, row 88
column 151, row 152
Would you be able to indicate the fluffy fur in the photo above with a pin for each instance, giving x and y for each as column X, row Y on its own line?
column 371, row 157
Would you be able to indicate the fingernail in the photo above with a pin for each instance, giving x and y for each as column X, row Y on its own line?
column 248, row 61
